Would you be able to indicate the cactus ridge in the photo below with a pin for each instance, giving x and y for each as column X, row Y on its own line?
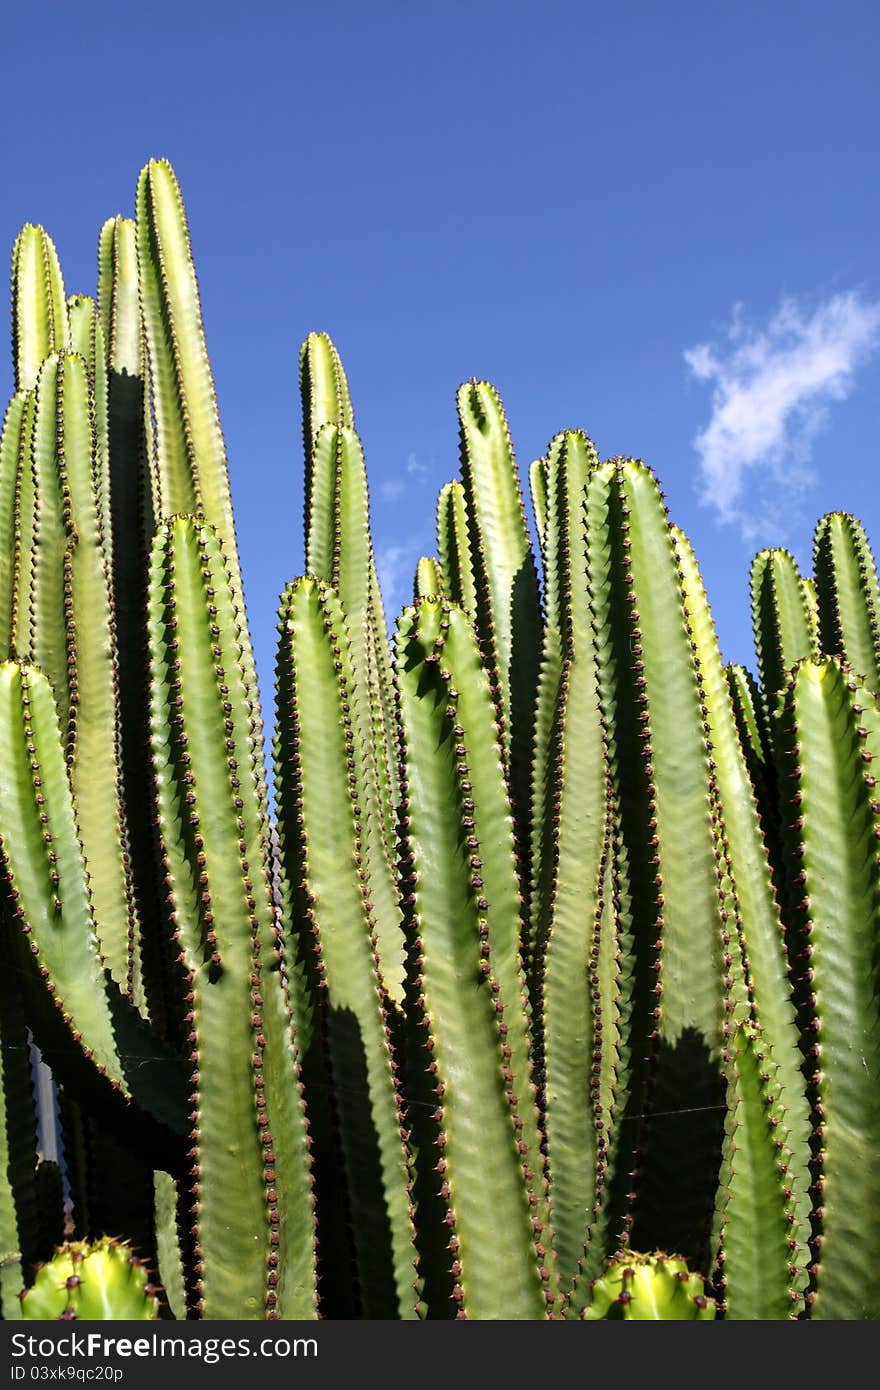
column 506, row 585
column 87, row 342
column 756, row 983
column 662, row 777
column 55, row 940
column 325, row 400
column 760, row 1235
column 566, row 637
column 73, row 629
column 637, row 1287
column 781, row 619
column 339, row 550
column 14, row 456
column 321, row 779
column 576, row 1042
column 538, row 494
column 847, row 594
column 101, row 1280
column 210, row 795
column 828, row 733
column 428, row 578
column 454, row 547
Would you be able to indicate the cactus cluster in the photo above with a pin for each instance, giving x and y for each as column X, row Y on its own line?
column 559, row 942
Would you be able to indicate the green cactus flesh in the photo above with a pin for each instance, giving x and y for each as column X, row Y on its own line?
column 480, row 1183
column 847, row 594
column 250, row 1193
column 655, row 726
column 643, row 1288
column 508, row 617
column 100, row 1281
column 828, row 734
column 39, row 309
column 321, row 764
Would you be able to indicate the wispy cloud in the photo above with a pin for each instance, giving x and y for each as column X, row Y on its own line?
column 395, row 567
column 772, row 387
column 414, row 471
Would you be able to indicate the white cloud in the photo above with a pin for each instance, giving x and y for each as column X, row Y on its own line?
column 771, row 391
column 395, row 567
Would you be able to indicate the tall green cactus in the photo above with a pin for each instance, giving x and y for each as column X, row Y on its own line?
column 480, row 1174
column 249, row 1172
column 847, row 594
column 782, row 619
column 39, row 308
column 505, row 582
column 655, row 725
column 323, row 803
column 828, row 734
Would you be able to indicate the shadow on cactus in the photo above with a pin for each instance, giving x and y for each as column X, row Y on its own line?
column 560, row 940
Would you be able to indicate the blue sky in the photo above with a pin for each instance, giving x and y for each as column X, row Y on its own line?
column 656, row 222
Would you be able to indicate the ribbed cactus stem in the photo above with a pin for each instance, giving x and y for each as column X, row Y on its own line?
column 73, row 639
column 325, row 399
column 762, row 1240
column 484, row 1231
column 756, row 971
column 781, row 619
column 250, row 1193
column 39, row 309
column 321, row 774
column 646, row 1288
column 655, row 724
column 15, row 446
column 828, row 736
column 538, row 494
column 454, row 547
column 567, row 638
column 848, row 594
column 339, row 550
column 428, row 579
column 87, row 341
column 92, row 1034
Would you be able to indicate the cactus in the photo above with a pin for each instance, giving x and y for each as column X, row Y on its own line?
column 559, row 943
column 639, row 1288
column 101, row 1281
column 321, row 776
column 468, row 1063
column 828, row 734
column 847, row 594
